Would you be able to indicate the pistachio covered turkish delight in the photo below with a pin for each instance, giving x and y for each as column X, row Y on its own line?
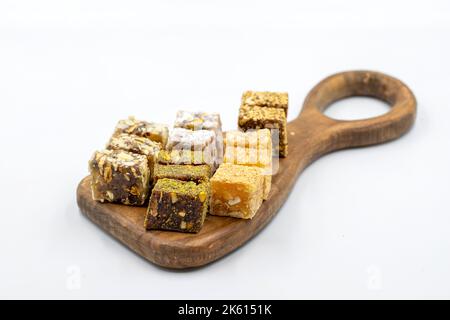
column 186, row 172
column 178, row 206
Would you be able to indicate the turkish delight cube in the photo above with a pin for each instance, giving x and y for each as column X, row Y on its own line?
column 136, row 144
column 177, row 205
column 266, row 99
column 273, row 119
column 153, row 131
column 259, row 158
column 255, row 139
column 202, row 121
column 187, row 172
column 192, row 147
column 198, row 121
column 251, row 148
column 236, row 191
column 119, row 176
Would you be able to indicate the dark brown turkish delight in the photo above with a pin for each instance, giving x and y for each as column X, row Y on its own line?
column 178, row 206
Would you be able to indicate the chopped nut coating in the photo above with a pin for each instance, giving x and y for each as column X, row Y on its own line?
column 177, row 205
column 136, row 144
column 153, row 131
column 119, row 176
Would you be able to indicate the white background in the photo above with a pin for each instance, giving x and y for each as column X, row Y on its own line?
column 364, row 223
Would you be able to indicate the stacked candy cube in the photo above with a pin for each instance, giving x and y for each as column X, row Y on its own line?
column 193, row 169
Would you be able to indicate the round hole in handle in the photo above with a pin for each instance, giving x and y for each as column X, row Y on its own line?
column 355, row 108
column 354, row 133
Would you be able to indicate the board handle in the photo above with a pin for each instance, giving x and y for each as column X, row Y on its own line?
column 356, row 133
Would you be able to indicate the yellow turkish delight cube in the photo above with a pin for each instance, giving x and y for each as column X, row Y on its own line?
column 236, row 191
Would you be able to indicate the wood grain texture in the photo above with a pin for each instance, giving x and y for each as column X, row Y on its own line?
column 311, row 135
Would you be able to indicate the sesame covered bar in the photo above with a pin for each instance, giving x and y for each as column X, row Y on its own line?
column 192, row 147
column 202, row 121
column 136, row 144
column 153, row 131
column 266, row 99
column 236, row 191
column 119, row 176
column 178, row 206
column 273, row 119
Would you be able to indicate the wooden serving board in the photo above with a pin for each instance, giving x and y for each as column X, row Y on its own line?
column 311, row 135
